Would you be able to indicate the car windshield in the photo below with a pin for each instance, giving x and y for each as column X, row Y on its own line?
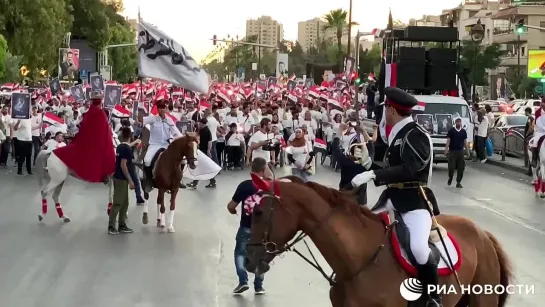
column 456, row 110
column 516, row 120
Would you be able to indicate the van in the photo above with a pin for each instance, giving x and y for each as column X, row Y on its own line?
column 447, row 109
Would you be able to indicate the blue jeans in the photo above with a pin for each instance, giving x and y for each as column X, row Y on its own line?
column 303, row 175
column 214, row 153
column 243, row 236
column 137, row 188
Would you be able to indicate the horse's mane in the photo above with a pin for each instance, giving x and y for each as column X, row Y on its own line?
column 336, row 198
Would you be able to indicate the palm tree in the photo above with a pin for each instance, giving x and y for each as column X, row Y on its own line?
column 336, row 20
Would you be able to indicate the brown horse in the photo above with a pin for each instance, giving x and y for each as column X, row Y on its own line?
column 167, row 174
column 357, row 245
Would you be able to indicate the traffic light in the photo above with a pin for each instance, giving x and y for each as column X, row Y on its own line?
column 214, row 40
column 520, row 26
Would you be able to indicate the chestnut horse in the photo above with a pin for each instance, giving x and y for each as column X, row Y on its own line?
column 167, row 174
column 356, row 244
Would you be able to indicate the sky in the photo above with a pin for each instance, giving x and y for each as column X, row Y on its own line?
column 193, row 23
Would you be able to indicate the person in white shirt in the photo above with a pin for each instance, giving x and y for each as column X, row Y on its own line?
column 299, row 153
column 482, row 132
column 23, row 131
column 6, row 145
column 246, row 120
column 489, row 115
column 36, row 125
column 231, row 117
column 213, row 125
column 261, row 138
column 54, row 143
column 161, row 128
column 235, row 146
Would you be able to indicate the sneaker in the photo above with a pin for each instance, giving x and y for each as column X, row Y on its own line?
column 112, row 230
column 125, row 229
column 259, row 290
column 483, row 161
column 449, row 182
column 191, row 185
column 140, row 201
column 211, row 185
column 240, row 288
column 459, row 185
column 29, row 174
column 182, row 186
column 20, row 174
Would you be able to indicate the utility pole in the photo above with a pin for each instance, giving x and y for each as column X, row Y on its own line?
column 349, row 28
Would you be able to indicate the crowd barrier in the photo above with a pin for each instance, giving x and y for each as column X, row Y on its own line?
column 510, row 143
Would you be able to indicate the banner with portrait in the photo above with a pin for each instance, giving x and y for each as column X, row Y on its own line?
column 281, row 64
column 55, row 86
column 309, row 82
column 68, row 63
column 426, row 121
column 77, row 93
column 97, row 83
column 112, row 96
column 444, row 123
column 185, row 126
column 349, row 66
column 20, row 105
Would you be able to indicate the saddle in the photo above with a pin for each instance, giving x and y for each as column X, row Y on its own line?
column 400, row 238
column 149, row 172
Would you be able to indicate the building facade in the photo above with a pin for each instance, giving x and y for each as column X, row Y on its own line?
column 217, row 55
column 311, row 33
column 267, row 30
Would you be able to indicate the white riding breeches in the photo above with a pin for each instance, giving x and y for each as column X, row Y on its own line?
column 152, row 149
column 418, row 224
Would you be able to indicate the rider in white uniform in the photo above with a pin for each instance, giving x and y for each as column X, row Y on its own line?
column 539, row 131
column 162, row 130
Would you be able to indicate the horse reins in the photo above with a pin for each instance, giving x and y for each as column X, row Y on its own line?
column 270, row 247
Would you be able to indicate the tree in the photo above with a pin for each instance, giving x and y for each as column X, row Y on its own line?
column 123, row 59
column 35, row 29
column 3, row 56
column 476, row 59
column 91, row 22
column 12, row 65
column 369, row 60
column 336, row 20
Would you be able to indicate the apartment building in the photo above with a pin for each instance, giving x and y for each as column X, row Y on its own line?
column 426, row 21
column 218, row 55
column 311, row 32
column 268, row 30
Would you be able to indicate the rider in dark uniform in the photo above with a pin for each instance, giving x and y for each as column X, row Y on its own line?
column 407, row 167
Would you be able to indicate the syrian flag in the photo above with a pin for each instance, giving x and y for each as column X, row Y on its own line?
column 179, row 68
column 421, row 106
column 121, row 112
column 334, row 105
column 320, row 145
column 314, row 92
column 52, row 119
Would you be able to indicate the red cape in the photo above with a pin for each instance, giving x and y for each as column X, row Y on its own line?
column 90, row 155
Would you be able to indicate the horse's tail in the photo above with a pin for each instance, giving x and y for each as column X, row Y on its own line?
column 506, row 270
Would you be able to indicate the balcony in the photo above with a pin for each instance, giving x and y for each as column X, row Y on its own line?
column 508, row 35
column 512, row 60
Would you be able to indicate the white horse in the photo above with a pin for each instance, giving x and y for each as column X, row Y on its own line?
column 538, row 172
column 52, row 173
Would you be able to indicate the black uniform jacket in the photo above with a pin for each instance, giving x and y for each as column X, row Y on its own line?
column 406, row 160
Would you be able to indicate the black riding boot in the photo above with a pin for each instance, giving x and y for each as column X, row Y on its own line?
column 428, row 275
column 148, row 172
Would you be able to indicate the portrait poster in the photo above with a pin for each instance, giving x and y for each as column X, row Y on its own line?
column 112, row 96
column 349, row 63
column 426, row 121
column 444, row 123
column 68, row 63
column 20, row 105
column 88, row 92
column 340, row 85
column 291, row 86
column 309, row 82
column 271, row 82
column 77, row 93
column 281, row 64
column 55, row 86
column 185, row 126
column 97, row 83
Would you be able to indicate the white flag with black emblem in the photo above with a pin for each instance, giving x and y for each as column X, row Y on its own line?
column 160, row 57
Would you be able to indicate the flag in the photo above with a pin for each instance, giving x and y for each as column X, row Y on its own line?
column 334, row 105
column 319, row 144
column 421, row 106
column 121, row 112
column 52, row 119
column 160, row 57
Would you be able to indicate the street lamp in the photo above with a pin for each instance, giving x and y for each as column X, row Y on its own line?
column 477, row 36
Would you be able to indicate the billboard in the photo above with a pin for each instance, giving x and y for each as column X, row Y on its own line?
column 281, row 64
column 87, row 55
column 536, row 64
column 68, row 63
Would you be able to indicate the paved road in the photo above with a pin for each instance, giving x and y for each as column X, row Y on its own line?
column 51, row 264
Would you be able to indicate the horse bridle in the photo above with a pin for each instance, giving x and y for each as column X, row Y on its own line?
column 271, row 248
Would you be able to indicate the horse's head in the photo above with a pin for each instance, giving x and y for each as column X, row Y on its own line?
column 187, row 146
column 275, row 221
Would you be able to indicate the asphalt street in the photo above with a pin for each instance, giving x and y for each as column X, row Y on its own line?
column 52, row 264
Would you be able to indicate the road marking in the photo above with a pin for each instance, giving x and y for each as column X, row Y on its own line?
column 510, row 218
column 483, row 199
